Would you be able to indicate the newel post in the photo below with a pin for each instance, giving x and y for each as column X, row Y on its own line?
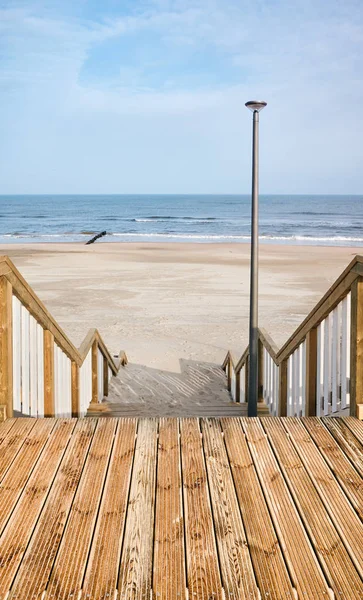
column 229, row 374
column 76, row 400
column 6, row 349
column 282, row 408
column 105, row 377
column 95, row 372
column 49, row 407
column 356, row 349
column 260, row 371
column 238, row 386
column 311, row 372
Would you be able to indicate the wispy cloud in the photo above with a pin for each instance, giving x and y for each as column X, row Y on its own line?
column 164, row 69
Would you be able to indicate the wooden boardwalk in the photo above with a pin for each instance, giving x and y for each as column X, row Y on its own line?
column 178, row 509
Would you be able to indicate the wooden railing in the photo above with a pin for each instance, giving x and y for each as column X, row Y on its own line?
column 319, row 370
column 41, row 372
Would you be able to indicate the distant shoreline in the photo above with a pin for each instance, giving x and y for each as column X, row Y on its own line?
column 288, row 220
column 176, row 239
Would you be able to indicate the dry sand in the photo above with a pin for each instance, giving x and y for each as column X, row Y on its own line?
column 163, row 302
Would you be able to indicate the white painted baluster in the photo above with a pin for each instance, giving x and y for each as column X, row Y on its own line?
column 289, row 386
column 265, row 377
column 100, row 377
column 242, row 384
column 299, row 399
column 334, row 360
column 25, row 404
column 68, row 384
column 296, row 383
column 327, row 353
column 276, row 391
column 56, row 381
column 338, row 357
column 63, row 398
column 303, row 407
column 40, row 368
column 320, row 370
column 270, row 381
column 233, row 386
column 271, row 385
column 347, row 403
column 33, row 364
column 16, row 354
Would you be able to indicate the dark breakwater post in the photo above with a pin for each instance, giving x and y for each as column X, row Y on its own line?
column 95, row 237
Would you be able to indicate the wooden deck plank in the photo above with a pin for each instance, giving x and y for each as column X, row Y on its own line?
column 336, row 562
column 355, row 426
column 341, row 466
column 34, row 571
column 272, row 576
column 169, row 569
column 69, row 567
column 343, row 515
column 21, row 468
column 229, row 508
column 103, row 564
column 203, row 576
column 136, row 561
column 13, row 442
column 19, row 529
column 347, row 441
column 299, row 554
column 237, row 572
column 5, row 428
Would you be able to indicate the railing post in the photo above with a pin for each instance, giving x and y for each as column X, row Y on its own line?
column 282, row 408
column 95, row 372
column 49, row 408
column 311, row 372
column 105, row 377
column 356, row 349
column 260, row 371
column 229, row 374
column 247, row 366
column 76, row 400
column 6, row 349
column 238, row 387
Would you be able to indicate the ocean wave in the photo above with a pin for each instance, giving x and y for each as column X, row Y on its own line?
column 300, row 238
column 160, row 218
column 192, row 236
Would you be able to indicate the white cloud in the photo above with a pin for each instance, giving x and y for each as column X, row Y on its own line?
column 305, row 58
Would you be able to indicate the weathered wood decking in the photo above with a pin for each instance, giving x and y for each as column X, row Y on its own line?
column 211, row 509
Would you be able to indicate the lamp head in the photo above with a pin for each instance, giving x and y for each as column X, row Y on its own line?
column 256, row 105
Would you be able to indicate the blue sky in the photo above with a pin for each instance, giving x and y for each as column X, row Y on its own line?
column 148, row 96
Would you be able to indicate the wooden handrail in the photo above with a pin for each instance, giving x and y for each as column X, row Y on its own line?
column 49, row 341
column 340, row 288
column 269, row 344
column 329, row 301
column 27, row 296
column 346, row 282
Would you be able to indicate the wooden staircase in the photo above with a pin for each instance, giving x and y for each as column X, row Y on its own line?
column 199, row 390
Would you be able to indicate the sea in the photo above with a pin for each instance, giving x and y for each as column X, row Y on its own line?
column 316, row 220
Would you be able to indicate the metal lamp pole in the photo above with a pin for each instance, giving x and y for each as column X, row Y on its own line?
column 255, row 106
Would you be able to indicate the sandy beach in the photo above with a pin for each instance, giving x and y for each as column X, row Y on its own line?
column 164, row 302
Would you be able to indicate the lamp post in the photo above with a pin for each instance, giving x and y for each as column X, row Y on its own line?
column 255, row 106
